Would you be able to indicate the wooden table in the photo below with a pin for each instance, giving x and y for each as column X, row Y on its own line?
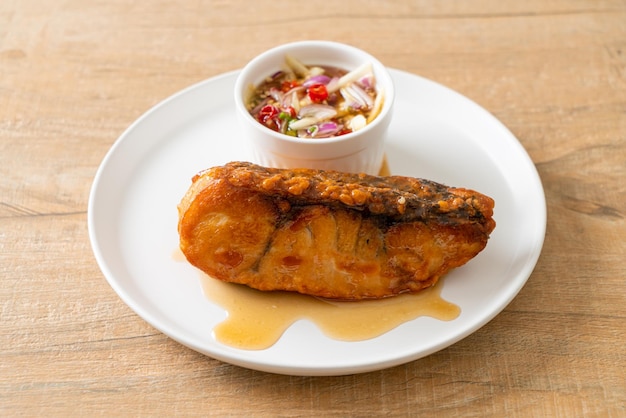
column 75, row 74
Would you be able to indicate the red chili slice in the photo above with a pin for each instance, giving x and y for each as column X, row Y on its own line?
column 318, row 93
column 288, row 85
column 343, row 132
column 267, row 112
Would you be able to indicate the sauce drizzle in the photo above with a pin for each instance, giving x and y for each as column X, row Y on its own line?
column 256, row 320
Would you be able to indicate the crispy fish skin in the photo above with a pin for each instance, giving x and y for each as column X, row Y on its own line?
column 329, row 234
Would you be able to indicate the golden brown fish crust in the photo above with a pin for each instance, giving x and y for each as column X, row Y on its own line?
column 329, row 234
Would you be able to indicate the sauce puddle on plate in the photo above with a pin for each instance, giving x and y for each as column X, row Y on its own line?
column 256, row 320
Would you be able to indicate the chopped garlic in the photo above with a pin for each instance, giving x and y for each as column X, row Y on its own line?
column 357, row 122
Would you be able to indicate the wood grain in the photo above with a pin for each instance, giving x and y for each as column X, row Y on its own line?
column 75, row 74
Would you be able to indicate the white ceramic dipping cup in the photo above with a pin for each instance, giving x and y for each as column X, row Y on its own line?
column 356, row 152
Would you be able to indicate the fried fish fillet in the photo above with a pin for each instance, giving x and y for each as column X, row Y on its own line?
column 329, row 234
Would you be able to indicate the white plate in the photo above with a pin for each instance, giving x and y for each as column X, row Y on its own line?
column 435, row 134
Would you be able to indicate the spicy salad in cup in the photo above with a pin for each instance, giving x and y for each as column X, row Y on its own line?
column 315, row 104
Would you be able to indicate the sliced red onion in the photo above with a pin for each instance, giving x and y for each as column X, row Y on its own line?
column 295, row 101
column 318, row 111
column 367, row 81
column 286, row 101
column 295, row 89
column 317, row 79
column 290, row 97
column 356, row 97
column 276, row 94
column 323, row 130
column 327, row 129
